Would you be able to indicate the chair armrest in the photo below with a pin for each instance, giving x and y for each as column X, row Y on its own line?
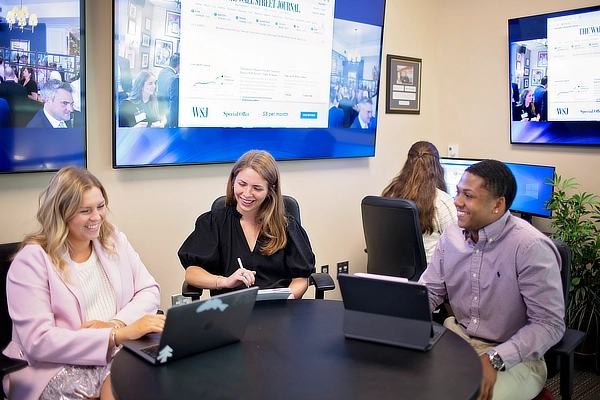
column 570, row 340
column 322, row 281
column 188, row 290
column 9, row 365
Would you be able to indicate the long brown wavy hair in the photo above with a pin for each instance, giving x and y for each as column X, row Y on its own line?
column 58, row 203
column 421, row 174
column 272, row 212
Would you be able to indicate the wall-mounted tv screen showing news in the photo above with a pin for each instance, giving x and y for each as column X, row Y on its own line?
column 554, row 64
column 533, row 188
column 42, row 85
column 204, row 81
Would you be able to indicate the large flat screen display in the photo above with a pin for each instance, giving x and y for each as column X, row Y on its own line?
column 203, row 81
column 42, row 85
column 554, row 68
column 533, row 184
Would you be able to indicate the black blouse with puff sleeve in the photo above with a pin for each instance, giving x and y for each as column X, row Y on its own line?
column 218, row 240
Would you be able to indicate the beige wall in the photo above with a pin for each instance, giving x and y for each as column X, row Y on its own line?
column 463, row 44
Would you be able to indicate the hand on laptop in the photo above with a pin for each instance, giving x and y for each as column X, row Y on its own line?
column 149, row 323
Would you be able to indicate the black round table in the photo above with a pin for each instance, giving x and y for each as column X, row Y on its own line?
column 296, row 350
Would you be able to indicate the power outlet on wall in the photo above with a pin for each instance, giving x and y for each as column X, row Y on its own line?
column 342, row 267
column 325, row 269
column 178, row 299
column 453, row 150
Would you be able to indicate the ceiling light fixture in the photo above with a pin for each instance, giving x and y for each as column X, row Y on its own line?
column 21, row 17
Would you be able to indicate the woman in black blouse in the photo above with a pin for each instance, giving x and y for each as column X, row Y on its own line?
column 29, row 83
column 526, row 106
column 272, row 248
column 140, row 109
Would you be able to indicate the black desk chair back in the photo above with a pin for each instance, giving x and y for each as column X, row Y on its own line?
column 7, row 365
column 322, row 282
column 393, row 237
column 560, row 358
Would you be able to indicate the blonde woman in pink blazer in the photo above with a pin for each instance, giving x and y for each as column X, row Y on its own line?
column 76, row 290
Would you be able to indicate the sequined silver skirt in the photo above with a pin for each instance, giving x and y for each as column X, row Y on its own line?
column 76, row 382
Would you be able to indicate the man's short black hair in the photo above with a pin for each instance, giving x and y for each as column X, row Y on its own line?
column 544, row 80
column 174, row 60
column 498, row 179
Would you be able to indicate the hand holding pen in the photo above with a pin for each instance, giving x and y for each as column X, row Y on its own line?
column 244, row 275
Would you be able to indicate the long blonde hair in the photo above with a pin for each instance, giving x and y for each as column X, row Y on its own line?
column 272, row 212
column 58, row 203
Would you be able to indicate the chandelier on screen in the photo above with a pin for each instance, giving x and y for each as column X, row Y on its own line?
column 354, row 55
column 21, row 18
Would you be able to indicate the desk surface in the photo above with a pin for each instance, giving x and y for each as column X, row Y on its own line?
column 296, row 350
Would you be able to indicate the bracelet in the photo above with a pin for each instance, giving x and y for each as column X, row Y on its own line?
column 217, row 282
column 117, row 324
column 114, row 337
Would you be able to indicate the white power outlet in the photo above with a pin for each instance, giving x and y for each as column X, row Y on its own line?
column 452, row 150
column 177, row 299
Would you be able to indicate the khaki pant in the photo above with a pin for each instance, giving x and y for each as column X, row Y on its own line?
column 523, row 381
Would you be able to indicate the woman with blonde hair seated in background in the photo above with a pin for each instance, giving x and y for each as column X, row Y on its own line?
column 272, row 248
column 76, row 290
column 421, row 180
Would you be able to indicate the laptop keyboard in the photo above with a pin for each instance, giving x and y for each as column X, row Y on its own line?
column 152, row 351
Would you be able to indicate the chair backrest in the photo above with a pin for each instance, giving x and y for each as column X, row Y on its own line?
column 565, row 267
column 289, row 203
column 6, row 251
column 393, row 237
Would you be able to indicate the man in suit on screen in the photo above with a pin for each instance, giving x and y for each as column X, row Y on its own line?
column 58, row 106
column 168, row 91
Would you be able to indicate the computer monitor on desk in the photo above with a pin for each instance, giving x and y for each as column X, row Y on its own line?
column 533, row 184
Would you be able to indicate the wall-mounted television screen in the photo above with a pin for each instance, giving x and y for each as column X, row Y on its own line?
column 204, row 81
column 533, row 184
column 42, row 85
column 554, row 64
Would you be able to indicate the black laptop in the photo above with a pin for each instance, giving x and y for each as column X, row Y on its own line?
column 198, row 326
column 388, row 310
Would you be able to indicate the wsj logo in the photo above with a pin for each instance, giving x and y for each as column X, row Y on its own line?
column 200, row 112
column 562, row 111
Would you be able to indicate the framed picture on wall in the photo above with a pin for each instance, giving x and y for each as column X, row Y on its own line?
column 172, row 24
column 527, row 62
column 403, row 87
column 132, row 11
column 542, row 60
column 536, row 76
column 130, row 55
column 145, row 40
column 148, row 24
column 145, row 60
column 526, row 83
column 131, row 27
column 162, row 52
column 526, row 71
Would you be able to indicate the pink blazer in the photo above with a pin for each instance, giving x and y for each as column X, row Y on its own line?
column 47, row 311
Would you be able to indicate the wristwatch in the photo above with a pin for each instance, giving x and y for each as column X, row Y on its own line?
column 496, row 360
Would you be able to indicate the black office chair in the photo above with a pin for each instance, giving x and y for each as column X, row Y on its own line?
column 322, row 282
column 393, row 237
column 561, row 357
column 7, row 364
